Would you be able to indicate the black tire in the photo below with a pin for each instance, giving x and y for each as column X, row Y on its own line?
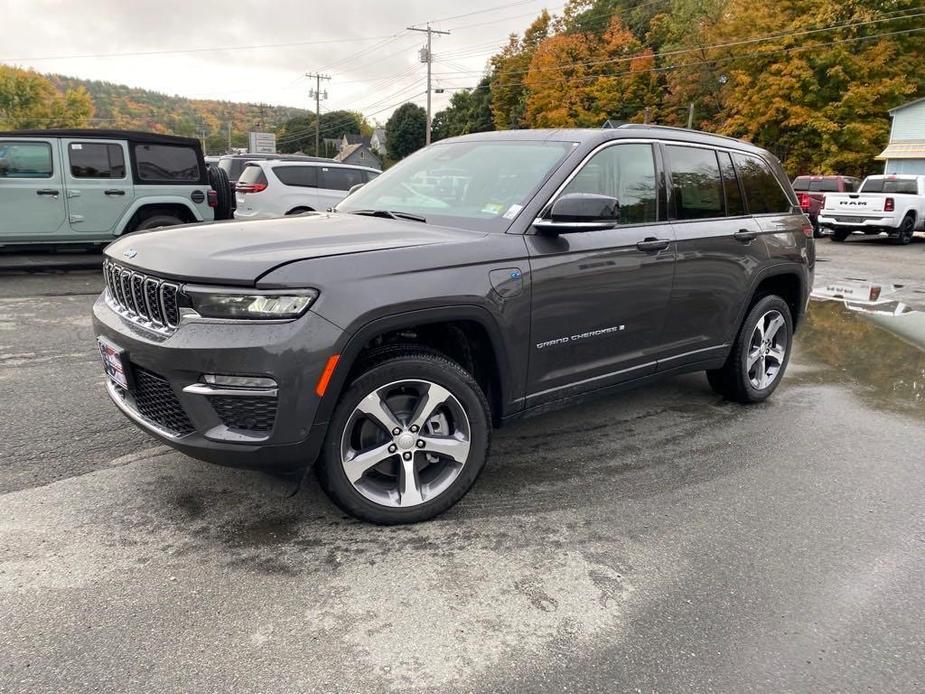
column 839, row 235
column 299, row 210
column 218, row 179
column 906, row 231
column 397, row 365
column 817, row 230
column 158, row 220
column 732, row 380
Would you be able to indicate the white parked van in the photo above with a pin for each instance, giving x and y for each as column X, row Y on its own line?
column 274, row 188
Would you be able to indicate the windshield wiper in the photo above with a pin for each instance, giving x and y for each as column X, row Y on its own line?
column 391, row 214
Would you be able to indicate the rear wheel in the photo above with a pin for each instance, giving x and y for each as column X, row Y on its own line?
column 906, row 231
column 760, row 354
column 158, row 220
column 407, row 440
column 840, row 234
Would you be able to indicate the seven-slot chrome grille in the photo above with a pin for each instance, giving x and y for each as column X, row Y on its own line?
column 144, row 299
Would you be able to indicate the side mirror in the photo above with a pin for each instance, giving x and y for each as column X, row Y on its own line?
column 576, row 212
column 354, row 188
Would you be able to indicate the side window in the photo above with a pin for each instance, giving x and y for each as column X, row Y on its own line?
column 301, row 176
column 734, row 203
column 96, row 160
column 25, row 160
column 627, row 173
column 167, row 163
column 334, row 178
column 696, row 182
column 763, row 193
column 370, row 175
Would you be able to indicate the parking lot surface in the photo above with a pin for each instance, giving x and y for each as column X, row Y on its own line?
column 664, row 540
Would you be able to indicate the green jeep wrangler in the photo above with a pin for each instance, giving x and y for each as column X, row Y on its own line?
column 88, row 186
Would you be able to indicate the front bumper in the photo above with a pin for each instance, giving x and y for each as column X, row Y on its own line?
column 268, row 429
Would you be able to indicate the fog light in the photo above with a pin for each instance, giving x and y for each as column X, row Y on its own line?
column 239, row 381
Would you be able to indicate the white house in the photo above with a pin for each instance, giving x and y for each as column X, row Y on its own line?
column 906, row 151
column 377, row 141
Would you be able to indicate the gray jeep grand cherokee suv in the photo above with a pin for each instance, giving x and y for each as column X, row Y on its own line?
column 484, row 278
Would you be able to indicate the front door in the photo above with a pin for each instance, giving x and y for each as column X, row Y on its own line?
column 599, row 297
column 31, row 190
column 99, row 186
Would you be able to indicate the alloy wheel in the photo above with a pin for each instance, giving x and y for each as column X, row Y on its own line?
column 405, row 443
column 767, row 350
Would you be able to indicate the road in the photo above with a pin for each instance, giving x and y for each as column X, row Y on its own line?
column 665, row 540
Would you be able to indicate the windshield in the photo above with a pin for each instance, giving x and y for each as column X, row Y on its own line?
column 889, row 185
column 479, row 185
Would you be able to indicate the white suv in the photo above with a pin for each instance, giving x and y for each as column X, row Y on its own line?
column 273, row 188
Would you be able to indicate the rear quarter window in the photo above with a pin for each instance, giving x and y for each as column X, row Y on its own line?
column 763, row 192
column 167, row 164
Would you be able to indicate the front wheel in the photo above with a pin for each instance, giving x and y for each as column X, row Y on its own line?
column 760, row 354
column 407, row 440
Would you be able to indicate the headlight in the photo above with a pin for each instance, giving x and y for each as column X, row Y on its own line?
column 272, row 305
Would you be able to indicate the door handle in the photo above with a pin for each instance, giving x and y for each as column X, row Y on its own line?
column 745, row 235
column 47, row 191
column 114, row 191
column 650, row 245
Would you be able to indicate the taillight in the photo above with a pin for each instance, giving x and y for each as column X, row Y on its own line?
column 804, row 201
column 212, row 197
column 251, row 187
column 889, row 205
column 807, row 228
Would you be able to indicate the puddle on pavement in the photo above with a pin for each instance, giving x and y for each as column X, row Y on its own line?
column 860, row 336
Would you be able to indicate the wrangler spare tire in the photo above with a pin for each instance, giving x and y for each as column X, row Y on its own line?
column 218, row 179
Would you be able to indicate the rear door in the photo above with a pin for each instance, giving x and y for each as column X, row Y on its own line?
column 599, row 297
column 335, row 181
column 31, row 189
column 719, row 251
column 99, row 188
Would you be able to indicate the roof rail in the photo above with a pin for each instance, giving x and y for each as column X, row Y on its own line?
column 675, row 129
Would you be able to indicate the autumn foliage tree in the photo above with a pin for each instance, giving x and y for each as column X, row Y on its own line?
column 30, row 100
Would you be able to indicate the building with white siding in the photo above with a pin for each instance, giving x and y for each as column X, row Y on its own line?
column 906, row 151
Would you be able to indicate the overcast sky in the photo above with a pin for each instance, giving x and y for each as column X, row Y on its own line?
column 259, row 51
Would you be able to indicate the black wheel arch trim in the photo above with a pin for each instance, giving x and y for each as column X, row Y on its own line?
column 797, row 270
column 359, row 338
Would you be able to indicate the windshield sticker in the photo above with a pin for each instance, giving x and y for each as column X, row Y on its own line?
column 512, row 211
column 493, row 208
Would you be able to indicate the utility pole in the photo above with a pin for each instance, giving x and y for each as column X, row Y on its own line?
column 428, row 57
column 229, row 137
column 317, row 94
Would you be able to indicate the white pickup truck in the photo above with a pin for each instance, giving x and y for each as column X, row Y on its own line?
column 894, row 204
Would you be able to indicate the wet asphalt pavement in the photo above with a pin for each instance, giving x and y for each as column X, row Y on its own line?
column 664, row 540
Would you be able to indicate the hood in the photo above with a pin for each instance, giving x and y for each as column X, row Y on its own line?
column 238, row 253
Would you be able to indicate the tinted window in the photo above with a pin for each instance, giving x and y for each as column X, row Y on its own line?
column 763, row 193
column 341, row 179
column 302, row 176
column 801, row 183
column 25, row 160
column 96, row 160
column 252, row 174
column 889, row 185
column 370, row 175
column 734, row 203
column 167, row 163
column 696, row 182
column 624, row 172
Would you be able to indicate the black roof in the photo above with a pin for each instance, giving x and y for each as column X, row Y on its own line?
column 131, row 135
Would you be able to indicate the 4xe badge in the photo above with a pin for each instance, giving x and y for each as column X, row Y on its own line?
column 129, row 252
